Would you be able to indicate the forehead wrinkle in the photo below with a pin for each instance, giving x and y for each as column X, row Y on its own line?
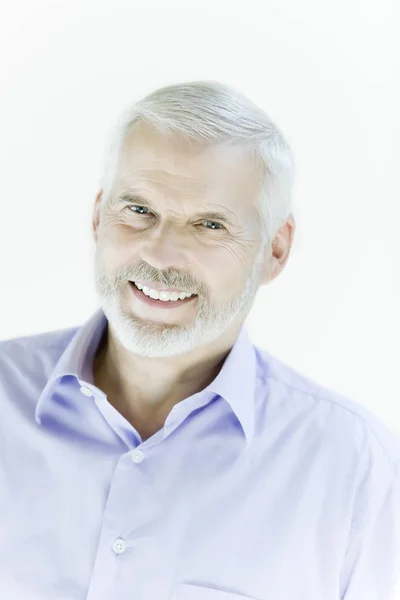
column 163, row 171
column 189, row 184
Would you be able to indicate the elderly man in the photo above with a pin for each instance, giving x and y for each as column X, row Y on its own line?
column 154, row 452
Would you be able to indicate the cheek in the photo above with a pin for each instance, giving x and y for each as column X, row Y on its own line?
column 229, row 260
column 108, row 263
column 224, row 272
column 115, row 251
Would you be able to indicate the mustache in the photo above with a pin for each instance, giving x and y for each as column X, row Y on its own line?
column 167, row 277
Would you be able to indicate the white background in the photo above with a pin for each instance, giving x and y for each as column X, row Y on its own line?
column 326, row 72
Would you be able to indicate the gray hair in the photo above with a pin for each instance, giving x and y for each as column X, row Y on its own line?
column 214, row 112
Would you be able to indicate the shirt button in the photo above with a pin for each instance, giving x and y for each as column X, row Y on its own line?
column 119, row 546
column 137, row 456
column 86, row 391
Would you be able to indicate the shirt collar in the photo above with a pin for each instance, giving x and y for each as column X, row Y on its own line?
column 235, row 382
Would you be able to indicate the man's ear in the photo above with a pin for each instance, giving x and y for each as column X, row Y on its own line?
column 276, row 257
column 96, row 215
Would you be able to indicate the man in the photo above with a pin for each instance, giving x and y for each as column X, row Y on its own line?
column 154, row 452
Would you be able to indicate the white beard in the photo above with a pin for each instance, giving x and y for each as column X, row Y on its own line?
column 159, row 340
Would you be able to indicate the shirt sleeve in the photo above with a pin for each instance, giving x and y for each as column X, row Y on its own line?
column 371, row 569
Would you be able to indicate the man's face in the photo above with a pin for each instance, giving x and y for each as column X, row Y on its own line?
column 149, row 230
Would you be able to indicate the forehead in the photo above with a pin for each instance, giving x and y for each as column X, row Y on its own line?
column 178, row 169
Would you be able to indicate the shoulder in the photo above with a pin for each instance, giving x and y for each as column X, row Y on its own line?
column 31, row 350
column 348, row 420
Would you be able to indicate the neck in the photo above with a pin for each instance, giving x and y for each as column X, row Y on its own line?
column 145, row 389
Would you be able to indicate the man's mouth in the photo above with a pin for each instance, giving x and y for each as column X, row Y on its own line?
column 165, row 299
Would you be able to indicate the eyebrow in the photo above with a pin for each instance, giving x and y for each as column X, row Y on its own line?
column 212, row 215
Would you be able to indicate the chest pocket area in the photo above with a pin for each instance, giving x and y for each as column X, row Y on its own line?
column 187, row 591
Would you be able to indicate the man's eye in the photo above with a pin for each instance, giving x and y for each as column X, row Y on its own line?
column 214, row 225
column 130, row 206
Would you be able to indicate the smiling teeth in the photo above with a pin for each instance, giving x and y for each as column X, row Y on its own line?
column 162, row 295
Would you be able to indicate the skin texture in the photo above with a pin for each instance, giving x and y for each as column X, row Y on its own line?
column 149, row 359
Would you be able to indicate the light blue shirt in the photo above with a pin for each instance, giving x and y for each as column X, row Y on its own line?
column 265, row 485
